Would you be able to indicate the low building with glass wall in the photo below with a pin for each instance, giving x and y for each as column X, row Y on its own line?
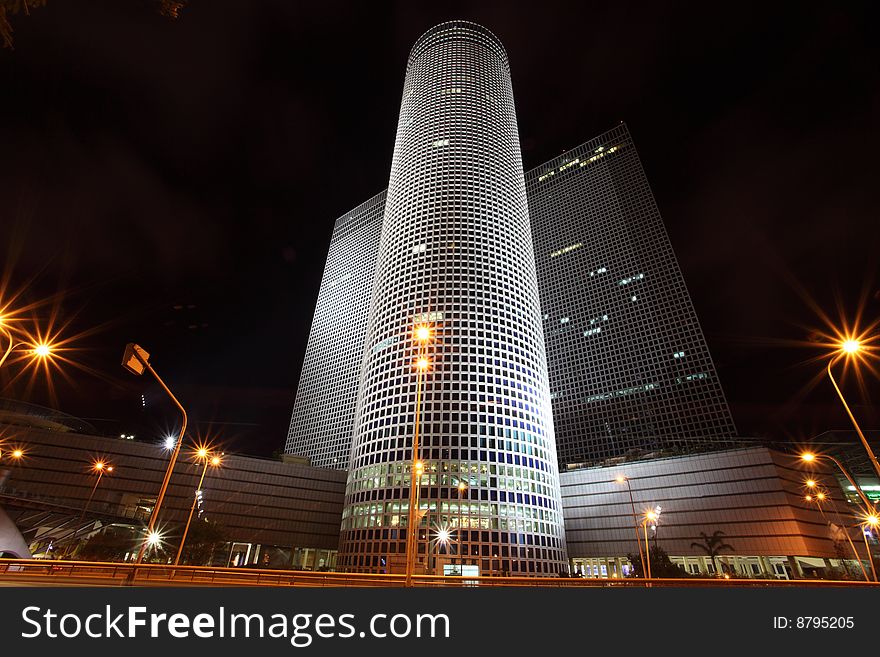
column 755, row 496
column 273, row 514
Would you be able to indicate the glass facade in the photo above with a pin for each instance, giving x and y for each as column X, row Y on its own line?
column 630, row 371
column 628, row 364
column 323, row 413
column 455, row 256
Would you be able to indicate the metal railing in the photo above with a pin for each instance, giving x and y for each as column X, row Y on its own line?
column 87, row 573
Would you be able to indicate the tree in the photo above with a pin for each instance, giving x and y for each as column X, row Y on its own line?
column 204, row 537
column 8, row 7
column 167, row 8
column 112, row 544
column 661, row 565
column 712, row 546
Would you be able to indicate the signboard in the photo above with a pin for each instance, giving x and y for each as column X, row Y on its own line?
column 458, row 570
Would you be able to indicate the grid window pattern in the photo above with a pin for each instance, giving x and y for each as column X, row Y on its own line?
column 629, row 367
column 456, row 253
column 323, row 413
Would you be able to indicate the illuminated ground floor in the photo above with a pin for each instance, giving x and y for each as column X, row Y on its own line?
column 759, row 567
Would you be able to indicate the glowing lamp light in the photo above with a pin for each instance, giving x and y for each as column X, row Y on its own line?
column 620, row 479
column 423, row 333
column 851, row 346
column 109, row 468
column 17, row 453
column 808, row 457
column 202, row 452
column 154, row 539
column 215, row 461
column 42, row 350
column 462, row 486
column 872, row 520
column 820, row 497
column 99, row 465
column 170, row 442
column 810, row 483
column 422, row 364
column 443, row 536
column 809, row 498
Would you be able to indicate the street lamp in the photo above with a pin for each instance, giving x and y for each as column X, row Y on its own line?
column 40, row 351
column 820, row 497
column 203, row 455
column 872, row 521
column 650, row 516
column 136, row 360
column 153, row 540
column 98, row 467
column 851, row 347
column 422, row 335
column 462, row 488
column 14, row 454
column 623, row 479
column 809, row 457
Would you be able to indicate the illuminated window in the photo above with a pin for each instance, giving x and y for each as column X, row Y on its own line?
column 567, row 249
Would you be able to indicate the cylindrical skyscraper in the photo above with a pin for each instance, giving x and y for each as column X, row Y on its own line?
column 456, row 257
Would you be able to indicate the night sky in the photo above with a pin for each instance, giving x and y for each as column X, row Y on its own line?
column 175, row 182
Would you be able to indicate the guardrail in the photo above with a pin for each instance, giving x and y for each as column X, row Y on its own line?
column 88, row 573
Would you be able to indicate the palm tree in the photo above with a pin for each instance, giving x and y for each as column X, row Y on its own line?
column 713, row 545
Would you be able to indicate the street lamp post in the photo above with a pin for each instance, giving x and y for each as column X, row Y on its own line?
column 819, row 498
column 100, row 467
column 873, row 521
column 422, row 334
column 852, row 347
column 203, row 455
column 462, row 487
column 649, row 515
column 136, row 360
column 624, row 479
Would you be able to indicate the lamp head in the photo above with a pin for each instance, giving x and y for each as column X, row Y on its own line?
column 850, row 346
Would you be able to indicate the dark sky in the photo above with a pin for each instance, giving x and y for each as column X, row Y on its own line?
column 177, row 180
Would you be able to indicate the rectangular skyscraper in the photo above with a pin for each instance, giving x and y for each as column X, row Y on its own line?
column 323, row 413
column 629, row 366
column 624, row 374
